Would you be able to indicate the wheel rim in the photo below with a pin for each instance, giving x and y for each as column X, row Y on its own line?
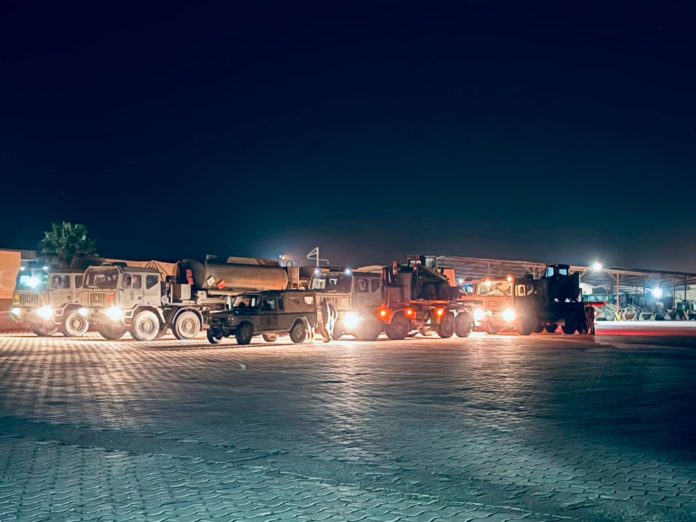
column 147, row 326
column 77, row 323
column 188, row 326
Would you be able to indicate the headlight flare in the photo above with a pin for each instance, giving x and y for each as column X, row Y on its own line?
column 114, row 313
column 84, row 312
column 45, row 312
column 351, row 320
column 16, row 311
column 479, row 315
column 509, row 315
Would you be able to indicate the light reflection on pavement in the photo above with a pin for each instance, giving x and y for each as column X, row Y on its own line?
column 492, row 428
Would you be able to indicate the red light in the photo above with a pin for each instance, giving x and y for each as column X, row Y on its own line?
column 440, row 312
column 409, row 312
column 383, row 313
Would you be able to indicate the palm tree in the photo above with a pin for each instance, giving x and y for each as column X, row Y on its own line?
column 66, row 241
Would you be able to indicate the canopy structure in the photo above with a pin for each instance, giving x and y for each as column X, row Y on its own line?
column 614, row 279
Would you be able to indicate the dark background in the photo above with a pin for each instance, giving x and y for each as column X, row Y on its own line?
column 553, row 131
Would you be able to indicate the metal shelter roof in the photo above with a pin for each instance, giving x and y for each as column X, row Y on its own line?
column 474, row 268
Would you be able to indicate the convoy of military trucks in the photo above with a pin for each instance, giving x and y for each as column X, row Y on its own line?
column 244, row 297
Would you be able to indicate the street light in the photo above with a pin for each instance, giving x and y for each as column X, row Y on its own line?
column 597, row 266
column 657, row 292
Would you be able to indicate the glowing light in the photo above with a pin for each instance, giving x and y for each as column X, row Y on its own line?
column 479, row 315
column 460, row 281
column 347, row 271
column 34, row 281
column 509, row 315
column 509, row 279
column 114, row 313
column 657, row 292
column 383, row 312
column 597, row 266
column 410, row 312
column 84, row 312
column 16, row 311
column 351, row 320
column 440, row 312
column 45, row 312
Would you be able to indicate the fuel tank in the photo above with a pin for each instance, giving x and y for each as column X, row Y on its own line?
column 231, row 278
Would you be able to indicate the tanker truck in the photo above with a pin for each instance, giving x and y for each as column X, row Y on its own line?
column 148, row 300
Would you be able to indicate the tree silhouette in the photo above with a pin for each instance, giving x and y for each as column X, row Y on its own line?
column 66, row 241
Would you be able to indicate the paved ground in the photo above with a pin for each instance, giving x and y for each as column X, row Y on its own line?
column 488, row 428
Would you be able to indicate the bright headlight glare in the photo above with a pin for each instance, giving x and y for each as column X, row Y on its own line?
column 114, row 313
column 16, row 311
column 351, row 320
column 479, row 314
column 84, row 312
column 509, row 315
column 34, row 282
column 45, row 312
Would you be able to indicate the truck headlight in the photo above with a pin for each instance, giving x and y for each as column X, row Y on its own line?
column 479, row 315
column 45, row 312
column 84, row 312
column 16, row 311
column 114, row 313
column 509, row 315
column 351, row 320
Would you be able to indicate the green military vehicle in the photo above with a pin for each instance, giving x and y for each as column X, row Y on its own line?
column 269, row 314
column 48, row 299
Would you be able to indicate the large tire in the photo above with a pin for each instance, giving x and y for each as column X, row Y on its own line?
column 146, row 325
column 244, row 333
column 551, row 328
column 369, row 329
column 446, row 327
column 214, row 337
column 112, row 333
column 270, row 338
column 463, row 324
column 187, row 325
column 337, row 333
column 570, row 326
column 74, row 324
column 539, row 328
column 526, row 326
column 399, row 327
column 298, row 333
column 44, row 331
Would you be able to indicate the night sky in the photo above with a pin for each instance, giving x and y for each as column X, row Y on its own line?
column 552, row 131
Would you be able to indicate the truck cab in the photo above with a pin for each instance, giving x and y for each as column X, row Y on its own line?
column 494, row 307
column 119, row 299
column 49, row 300
column 269, row 313
column 355, row 294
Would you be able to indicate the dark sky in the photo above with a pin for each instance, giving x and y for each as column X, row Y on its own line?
column 552, row 131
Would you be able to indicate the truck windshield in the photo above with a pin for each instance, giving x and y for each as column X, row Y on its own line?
column 36, row 280
column 495, row 288
column 331, row 282
column 104, row 278
column 245, row 301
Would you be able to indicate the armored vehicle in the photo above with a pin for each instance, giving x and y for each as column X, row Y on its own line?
column 268, row 314
column 49, row 301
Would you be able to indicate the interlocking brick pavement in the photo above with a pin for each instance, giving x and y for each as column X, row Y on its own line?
column 487, row 428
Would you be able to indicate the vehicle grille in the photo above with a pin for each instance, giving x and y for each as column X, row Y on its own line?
column 340, row 302
column 494, row 305
column 29, row 299
column 97, row 299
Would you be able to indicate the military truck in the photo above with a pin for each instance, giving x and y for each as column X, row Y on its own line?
column 531, row 305
column 148, row 301
column 48, row 299
column 269, row 314
column 399, row 300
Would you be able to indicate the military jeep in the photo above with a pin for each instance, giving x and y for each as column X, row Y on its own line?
column 269, row 314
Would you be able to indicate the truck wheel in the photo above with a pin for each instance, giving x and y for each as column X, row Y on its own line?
column 369, row 330
column 146, row 326
column 337, row 333
column 270, row 338
column 398, row 328
column 244, row 333
column 463, row 324
column 570, row 326
column 298, row 333
column 551, row 328
column 112, row 333
column 526, row 326
column 446, row 327
column 74, row 325
column 539, row 328
column 214, row 336
column 187, row 325
column 44, row 331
